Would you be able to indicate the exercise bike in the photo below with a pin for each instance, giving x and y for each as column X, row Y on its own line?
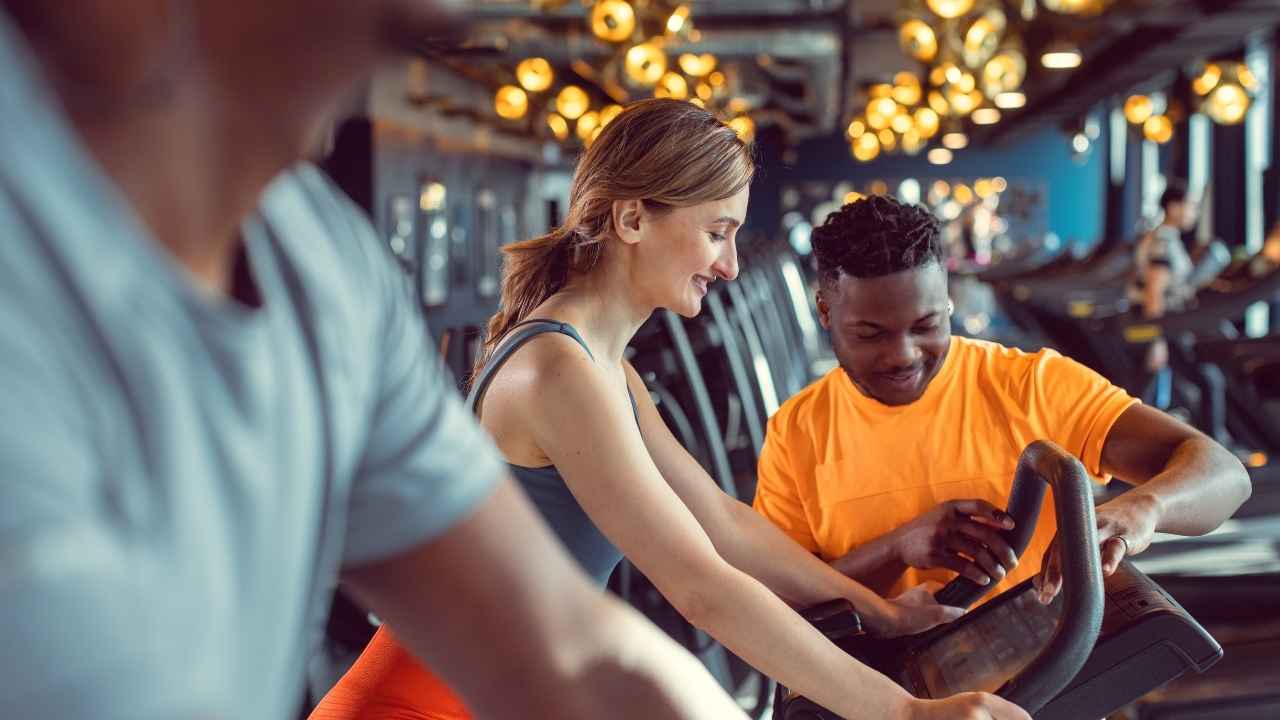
column 1099, row 645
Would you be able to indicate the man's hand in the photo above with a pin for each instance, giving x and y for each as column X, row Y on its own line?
column 960, row 535
column 1125, row 527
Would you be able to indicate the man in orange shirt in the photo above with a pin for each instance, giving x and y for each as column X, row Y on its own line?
column 894, row 465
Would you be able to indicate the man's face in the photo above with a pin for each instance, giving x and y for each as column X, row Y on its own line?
column 889, row 333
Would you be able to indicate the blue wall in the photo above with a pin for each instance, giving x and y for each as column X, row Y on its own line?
column 1042, row 159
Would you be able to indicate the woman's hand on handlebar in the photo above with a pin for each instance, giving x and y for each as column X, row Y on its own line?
column 914, row 611
column 966, row 706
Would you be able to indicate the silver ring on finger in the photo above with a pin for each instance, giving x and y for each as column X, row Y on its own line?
column 1124, row 540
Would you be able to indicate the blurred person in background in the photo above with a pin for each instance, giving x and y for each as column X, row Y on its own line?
column 1161, row 281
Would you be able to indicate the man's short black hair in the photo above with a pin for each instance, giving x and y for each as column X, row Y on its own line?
column 876, row 236
column 1175, row 191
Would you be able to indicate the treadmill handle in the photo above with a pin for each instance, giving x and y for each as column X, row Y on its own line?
column 1082, row 602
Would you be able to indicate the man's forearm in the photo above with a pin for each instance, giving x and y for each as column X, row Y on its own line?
column 875, row 564
column 1200, row 487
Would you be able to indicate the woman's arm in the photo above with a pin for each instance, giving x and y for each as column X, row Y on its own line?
column 524, row 634
column 757, row 547
column 1155, row 289
column 585, row 425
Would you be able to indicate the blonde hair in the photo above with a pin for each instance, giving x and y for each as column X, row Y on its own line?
column 667, row 153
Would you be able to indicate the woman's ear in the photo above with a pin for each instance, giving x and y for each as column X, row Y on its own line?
column 628, row 216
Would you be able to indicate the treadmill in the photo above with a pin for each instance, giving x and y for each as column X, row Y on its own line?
column 1199, row 337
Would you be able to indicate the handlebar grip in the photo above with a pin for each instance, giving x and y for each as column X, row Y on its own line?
column 1024, row 507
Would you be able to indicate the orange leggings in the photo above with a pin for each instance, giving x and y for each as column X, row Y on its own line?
column 386, row 683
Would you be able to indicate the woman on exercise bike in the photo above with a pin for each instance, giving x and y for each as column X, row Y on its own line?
column 655, row 206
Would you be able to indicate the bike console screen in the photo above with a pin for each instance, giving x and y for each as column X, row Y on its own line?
column 990, row 646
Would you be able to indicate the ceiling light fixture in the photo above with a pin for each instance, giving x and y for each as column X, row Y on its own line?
column 1061, row 56
column 535, row 74
column 985, row 116
column 1011, row 100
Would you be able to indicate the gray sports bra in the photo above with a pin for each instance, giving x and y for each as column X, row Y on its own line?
column 544, row 485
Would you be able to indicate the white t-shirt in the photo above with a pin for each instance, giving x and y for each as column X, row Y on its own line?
column 181, row 475
column 1163, row 247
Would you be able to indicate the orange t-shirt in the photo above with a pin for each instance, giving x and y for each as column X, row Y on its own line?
column 387, row 683
column 839, row 469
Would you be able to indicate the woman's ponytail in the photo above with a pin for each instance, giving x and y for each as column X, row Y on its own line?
column 532, row 271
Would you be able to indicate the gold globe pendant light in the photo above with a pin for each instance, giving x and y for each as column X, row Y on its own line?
column 587, row 124
column 559, row 126
column 880, row 112
column 1158, row 129
column 1225, row 91
column 950, row 9
column 902, row 122
column 888, row 140
column 613, row 20
column 697, row 65
column 535, row 74
column 745, row 127
column 608, row 113
column 981, row 39
column 918, row 39
column 678, row 20
column 962, row 103
column 672, row 85
column 1004, row 72
column 906, row 89
column 572, row 102
column 1207, row 80
column 866, row 148
column 1227, row 104
column 927, row 122
column 938, row 103
column 1137, row 108
column 645, row 64
column 510, row 102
